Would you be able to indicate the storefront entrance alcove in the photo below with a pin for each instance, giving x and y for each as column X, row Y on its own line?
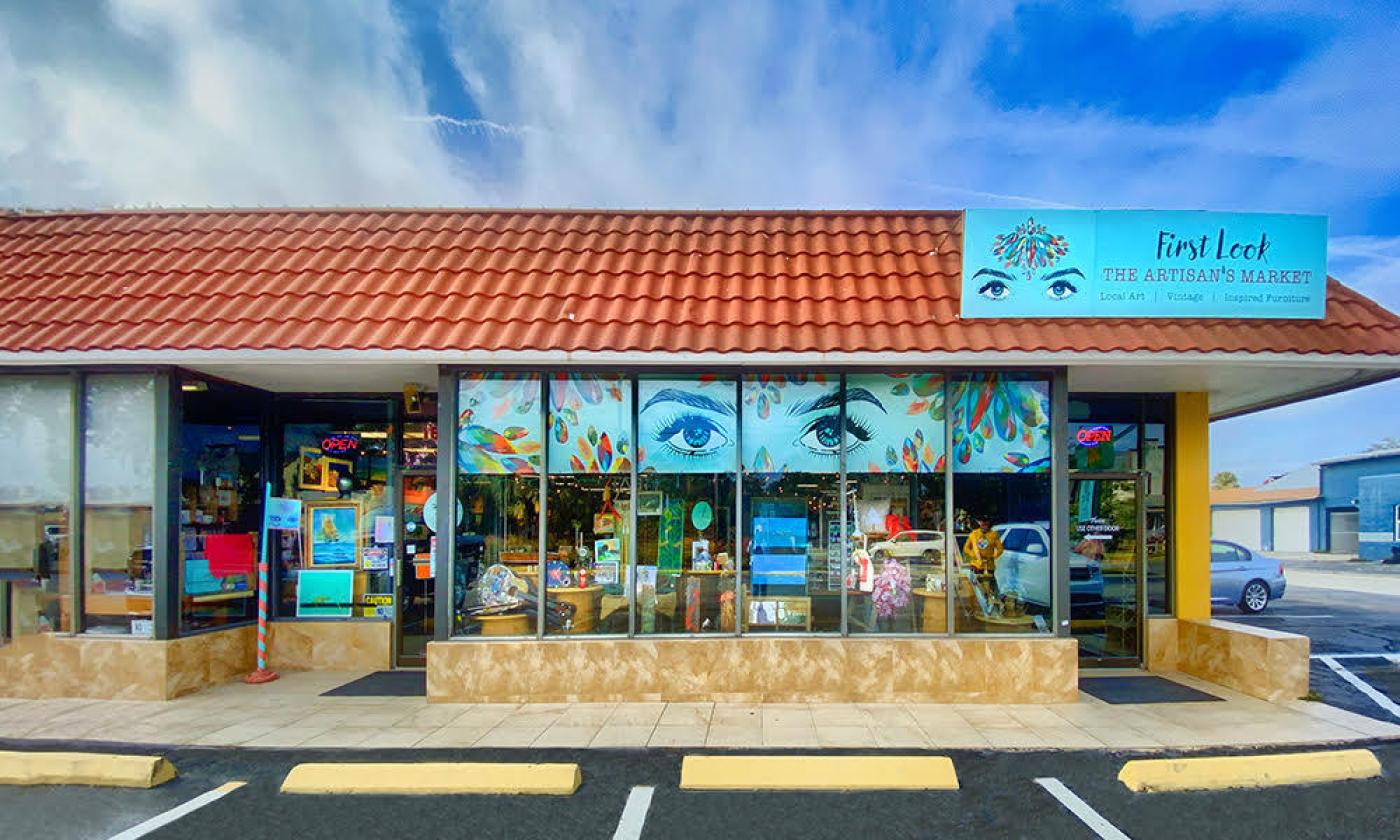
column 364, row 469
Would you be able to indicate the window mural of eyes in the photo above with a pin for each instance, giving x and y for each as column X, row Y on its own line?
column 996, row 285
column 687, row 425
column 1062, row 286
column 691, row 435
column 822, row 436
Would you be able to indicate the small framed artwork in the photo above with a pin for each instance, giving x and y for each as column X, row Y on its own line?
column 311, row 472
column 334, row 469
column 650, row 502
column 332, row 535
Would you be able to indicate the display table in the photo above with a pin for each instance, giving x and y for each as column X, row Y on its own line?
column 934, row 607
column 585, row 600
column 1005, row 624
column 507, row 624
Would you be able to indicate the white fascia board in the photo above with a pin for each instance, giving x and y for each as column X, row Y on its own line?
column 637, row 358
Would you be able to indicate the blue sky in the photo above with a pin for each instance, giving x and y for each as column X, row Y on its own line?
column 1277, row 105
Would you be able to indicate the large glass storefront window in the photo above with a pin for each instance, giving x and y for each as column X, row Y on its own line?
column 336, row 458
column 713, row 555
column 36, row 419
column 220, row 504
column 792, row 439
column 895, row 496
column 687, row 448
column 500, row 446
column 119, row 470
column 587, row 522
column 1001, row 502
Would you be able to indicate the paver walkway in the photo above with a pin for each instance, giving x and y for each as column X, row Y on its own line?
column 291, row 713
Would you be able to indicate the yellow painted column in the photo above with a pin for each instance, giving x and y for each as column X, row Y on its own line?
column 1191, row 506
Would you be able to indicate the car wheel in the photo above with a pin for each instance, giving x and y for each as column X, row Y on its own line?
column 933, row 555
column 1255, row 596
column 879, row 556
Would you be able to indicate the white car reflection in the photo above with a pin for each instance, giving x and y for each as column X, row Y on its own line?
column 1024, row 568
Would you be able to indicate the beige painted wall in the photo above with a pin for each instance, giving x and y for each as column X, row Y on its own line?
column 756, row 669
column 115, row 668
column 1262, row 663
column 330, row 645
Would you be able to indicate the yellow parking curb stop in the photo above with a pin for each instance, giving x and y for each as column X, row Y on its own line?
column 96, row 769
column 434, row 778
column 818, row 772
column 1248, row 771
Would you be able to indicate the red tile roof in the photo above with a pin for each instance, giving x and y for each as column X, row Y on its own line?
column 1248, row 495
column 556, row 281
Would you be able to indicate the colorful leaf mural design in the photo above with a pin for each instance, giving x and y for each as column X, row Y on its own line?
column 1001, row 423
column 486, row 399
column 591, row 419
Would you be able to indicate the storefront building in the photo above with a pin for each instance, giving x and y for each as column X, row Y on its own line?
column 762, row 456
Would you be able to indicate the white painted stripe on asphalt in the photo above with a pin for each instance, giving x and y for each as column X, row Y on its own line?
column 1362, row 686
column 162, row 820
column 1087, row 815
column 634, row 814
column 1393, row 657
column 1264, row 615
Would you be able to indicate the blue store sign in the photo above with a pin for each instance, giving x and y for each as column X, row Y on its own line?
column 1143, row 264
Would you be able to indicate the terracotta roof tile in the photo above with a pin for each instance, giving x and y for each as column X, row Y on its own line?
column 556, row 280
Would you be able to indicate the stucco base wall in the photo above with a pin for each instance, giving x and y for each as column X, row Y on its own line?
column 330, row 645
column 107, row 668
column 1262, row 663
column 756, row 670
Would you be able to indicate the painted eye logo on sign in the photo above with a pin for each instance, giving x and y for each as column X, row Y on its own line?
column 1029, row 248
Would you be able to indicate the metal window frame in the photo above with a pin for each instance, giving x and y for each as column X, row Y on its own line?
column 444, row 598
column 165, row 514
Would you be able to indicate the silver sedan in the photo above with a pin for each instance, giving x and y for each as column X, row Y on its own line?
column 1244, row 577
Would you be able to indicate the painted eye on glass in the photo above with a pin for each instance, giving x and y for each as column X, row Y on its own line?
column 692, row 435
column 823, row 435
column 995, row 290
column 1061, row 289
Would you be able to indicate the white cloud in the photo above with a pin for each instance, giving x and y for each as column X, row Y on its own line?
column 139, row 102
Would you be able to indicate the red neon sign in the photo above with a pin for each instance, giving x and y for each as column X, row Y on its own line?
column 340, row 443
column 1094, row 435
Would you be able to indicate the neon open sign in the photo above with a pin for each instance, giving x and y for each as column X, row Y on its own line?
column 340, row 443
column 1094, row 435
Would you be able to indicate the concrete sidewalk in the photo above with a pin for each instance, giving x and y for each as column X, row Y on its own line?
column 291, row 713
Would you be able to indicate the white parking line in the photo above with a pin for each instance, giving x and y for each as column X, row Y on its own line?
column 1277, row 615
column 1087, row 815
column 1393, row 657
column 162, row 820
column 634, row 814
column 1362, row 686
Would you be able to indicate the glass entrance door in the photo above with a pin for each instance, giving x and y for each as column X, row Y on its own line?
column 417, row 568
column 1106, row 567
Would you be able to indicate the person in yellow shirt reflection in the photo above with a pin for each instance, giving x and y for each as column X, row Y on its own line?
column 982, row 549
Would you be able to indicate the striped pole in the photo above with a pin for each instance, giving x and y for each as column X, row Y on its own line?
column 262, row 675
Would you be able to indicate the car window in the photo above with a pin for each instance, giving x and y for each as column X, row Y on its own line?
column 1223, row 554
column 1015, row 539
column 1033, row 538
column 900, row 537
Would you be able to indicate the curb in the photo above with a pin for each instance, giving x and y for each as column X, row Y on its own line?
column 424, row 779
column 95, row 769
column 818, row 772
column 1248, row 771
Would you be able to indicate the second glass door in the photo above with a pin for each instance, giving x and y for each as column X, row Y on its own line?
column 1106, row 567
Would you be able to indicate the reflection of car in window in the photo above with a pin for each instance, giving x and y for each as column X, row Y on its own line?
column 1025, row 568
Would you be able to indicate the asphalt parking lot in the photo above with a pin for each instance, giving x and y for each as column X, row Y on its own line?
column 999, row 797
column 1345, row 625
